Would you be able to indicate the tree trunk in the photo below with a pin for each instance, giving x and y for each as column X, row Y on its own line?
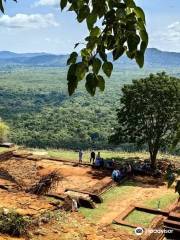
column 153, row 157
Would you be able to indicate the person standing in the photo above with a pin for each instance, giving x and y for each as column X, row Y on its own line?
column 92, row 157
column 74, row 206
column 80, row 156
column 98, row 160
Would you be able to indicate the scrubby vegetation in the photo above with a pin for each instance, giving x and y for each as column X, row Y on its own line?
column 35, row 104
column 13, row 223
column 4, row 130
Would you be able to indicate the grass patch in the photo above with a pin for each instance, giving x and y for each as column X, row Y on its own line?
column 115, row 194
column 162, row 202
column 68, row 155
column 72, row 155
column 140, row 218
column 3, row 149
column 118, row 155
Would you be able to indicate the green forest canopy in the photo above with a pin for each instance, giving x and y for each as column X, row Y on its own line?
column 35, row 104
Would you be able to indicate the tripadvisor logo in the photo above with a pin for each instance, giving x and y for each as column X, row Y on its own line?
column 139, row 231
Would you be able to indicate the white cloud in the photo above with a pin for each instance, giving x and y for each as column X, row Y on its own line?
column 53, row 3
column 174, row 30
column 28, row 21
column 175, row 26
column 168, row 38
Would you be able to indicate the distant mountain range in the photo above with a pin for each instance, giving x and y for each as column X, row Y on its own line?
column 153, row 58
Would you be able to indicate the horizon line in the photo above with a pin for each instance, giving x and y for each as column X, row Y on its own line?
column 51, row 53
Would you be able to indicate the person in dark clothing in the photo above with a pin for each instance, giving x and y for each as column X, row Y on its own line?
column 92, row 157
column 101, row 162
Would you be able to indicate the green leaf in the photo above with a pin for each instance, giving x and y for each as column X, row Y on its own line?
column 96, row 65
column 102, row 54
column 130, row 3
column 110, row 42
column 101, row 83
column 79, row 3
column 118, row 52
column 81, row 70
column 63, row 4
column 72, row 59
column 91, row 83
column 107, row 68
column 130, row 55
column 91, row 19
column 72, row 79
column 83, row 13
column 1, row 6
column 139, row 58
column 133, row 41
column 85, row 52
column 143, row 47
column 71, row 71
column 144, row 36
column 76, row 45
column 72, row 85
column 140, row 24
column 92, row 42
column 140, row 13
column 95, row 32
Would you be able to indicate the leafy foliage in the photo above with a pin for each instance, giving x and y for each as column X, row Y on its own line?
column 176, row 138
column 115, row 26
column 35, row 105
column 149, row 113
column 39, row 112
column 13, row 223
column 4, row 130
column 171, row 177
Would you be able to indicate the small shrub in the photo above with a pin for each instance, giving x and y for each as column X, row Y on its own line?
column 13, row 223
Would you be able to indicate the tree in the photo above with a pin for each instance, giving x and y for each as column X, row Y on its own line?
column 116, row 27
column 149, row 113
column 176, row 139
column 4, row 130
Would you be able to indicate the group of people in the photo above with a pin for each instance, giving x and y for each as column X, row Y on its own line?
column 119, row 174
column 95, row 160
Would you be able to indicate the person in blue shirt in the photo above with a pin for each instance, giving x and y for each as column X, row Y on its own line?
column 99, row 161
column 117, row 175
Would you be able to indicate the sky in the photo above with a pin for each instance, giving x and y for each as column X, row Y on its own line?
column 40, row 26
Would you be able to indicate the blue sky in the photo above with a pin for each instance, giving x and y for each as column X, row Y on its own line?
column 40, row 26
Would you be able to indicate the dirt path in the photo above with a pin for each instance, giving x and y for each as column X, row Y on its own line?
column 24, row 203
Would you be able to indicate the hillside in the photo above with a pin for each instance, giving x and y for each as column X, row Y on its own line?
column 35, row 104
column 153, row 58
